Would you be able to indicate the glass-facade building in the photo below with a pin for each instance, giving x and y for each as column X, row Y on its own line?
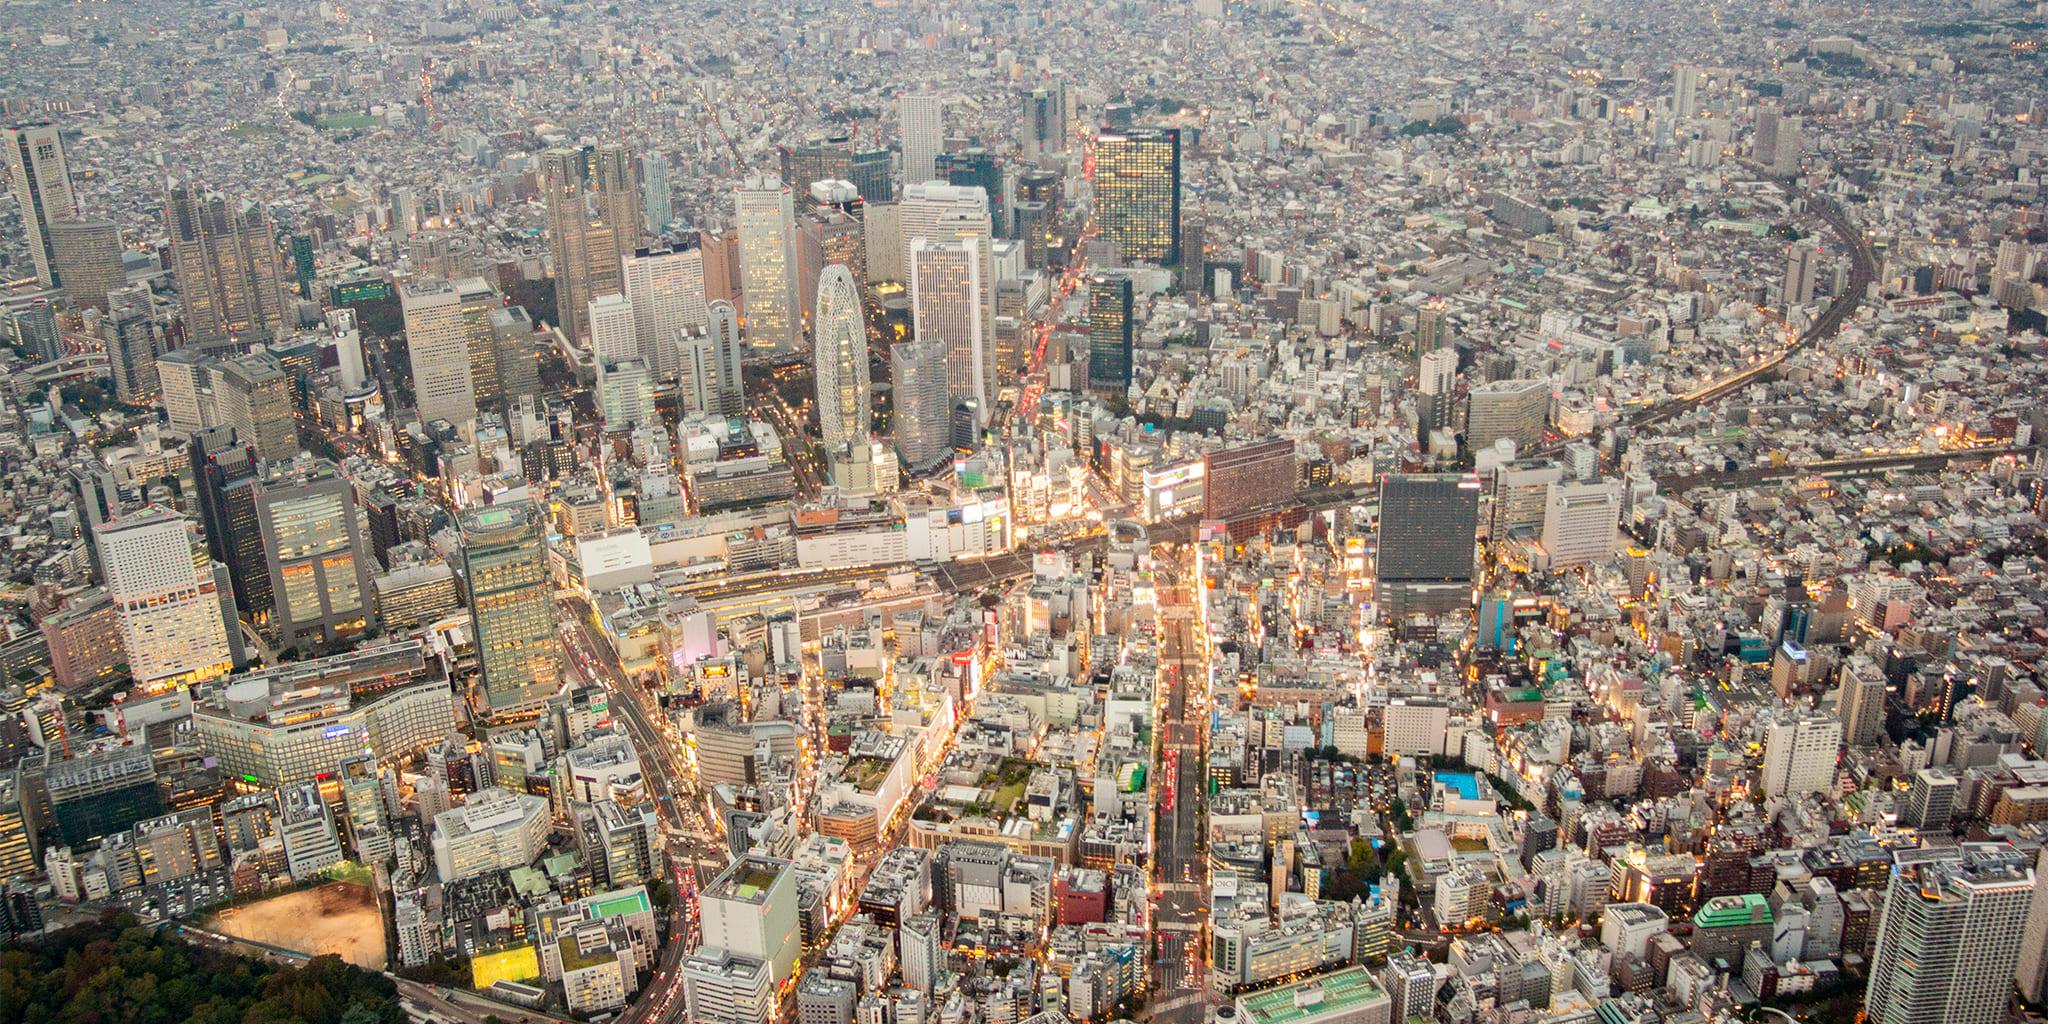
column 511, row 605
column 1137, row 193
column 1109, row 334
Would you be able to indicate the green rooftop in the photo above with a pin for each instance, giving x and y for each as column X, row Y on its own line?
column 1332, row 993
column 631, row 901
column 1733, row 912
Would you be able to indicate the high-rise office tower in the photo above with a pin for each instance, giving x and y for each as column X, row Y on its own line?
column 1951, row 933
column 255, row 396
column 618, row 196
column 840, row 361
column 163, row 592
column 666, row 289
column 729, row 349
column 437, row 344
column 1411, row 982
column 224, row 255
column 224, row 472
column 2033, row 964
column 1110, row 333
column 1862, row 702
column 1685, row 92
column 612, row 335
column 1790, row 149
column 657, row 203
column 1137, row 193
column 924, row 135
column 317, row 556
column 1044, row 134
column 516, row 351
column 938, row 212
column 1799, row 753
column 873, row 174
column 42, row 189
column 920, row 418
column 625, row 385
column 945, row 283
column 1435, row 393
column 1516, row 410
column 1764, row 147
column 766, row 215
column 1802, row 272
column 1431, row 331
column 1581, row 523
column 586, row 190
column 1424, row 559
column 87, row 257
column 477, row 300
column 824, row 158
column 830, row 230
column 511, row 607
column 977, row 167
column 133, row 338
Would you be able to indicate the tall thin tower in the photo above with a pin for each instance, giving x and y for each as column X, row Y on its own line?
column 767, row 226
column 845, row 396
column 42, row 188
column 924, row 135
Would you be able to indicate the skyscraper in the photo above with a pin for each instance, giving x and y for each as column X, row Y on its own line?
column 87, row 257
column 657, row 203
column 1953, row 924
column 132, row 341
column 1435, row 393
column 1044, row 133
column 477, row 300
column 1802, row 270
column 1110, row 331
column 1248, row 478
column 1424, row 553
column 840, row 361
column 625, row 386
column 585, row 189
column 2033, row 964
column 824, row 158
column 437, row 344
column 511, row 607
column 976, row 167
column 729, row 348
column 945, row 283
column 924, row 135
column 163, row 591
column 42, row 189
column 939, row 212
column 316, row 554
column 224, row 472
column 618, row 196
column 255, row 397
column 766, row 216
column 224, row 255
column 1137, row 193
column 920, row 417
column 666, row 289
column 1685, row 92
column 1863, row 701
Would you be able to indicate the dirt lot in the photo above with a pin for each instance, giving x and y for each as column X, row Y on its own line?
column 338, row 918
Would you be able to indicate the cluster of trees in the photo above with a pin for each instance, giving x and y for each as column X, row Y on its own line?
column 117, row 971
